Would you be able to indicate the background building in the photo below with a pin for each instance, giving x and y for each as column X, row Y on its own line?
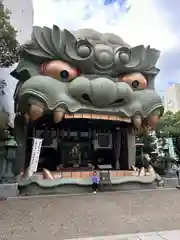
column 172, row 98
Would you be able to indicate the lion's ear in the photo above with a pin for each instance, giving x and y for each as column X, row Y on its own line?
column 25, row 70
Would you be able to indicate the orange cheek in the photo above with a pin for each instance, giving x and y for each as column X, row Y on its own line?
column 50, row 69
column 143, row 84
column 54, row 73
column 53, row 69
column 130, row 78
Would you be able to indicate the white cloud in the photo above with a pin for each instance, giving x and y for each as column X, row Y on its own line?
column 143, row 24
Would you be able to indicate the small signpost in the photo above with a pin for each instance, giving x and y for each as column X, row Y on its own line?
column 36, row 149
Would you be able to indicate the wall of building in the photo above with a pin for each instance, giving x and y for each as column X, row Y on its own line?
column 172, row 98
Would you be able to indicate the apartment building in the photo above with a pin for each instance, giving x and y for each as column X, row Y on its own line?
column 172, row 98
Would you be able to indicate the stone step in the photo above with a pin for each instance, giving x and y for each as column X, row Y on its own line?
column 8, row 190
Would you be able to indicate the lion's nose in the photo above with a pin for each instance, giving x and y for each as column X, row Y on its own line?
column 100, row 92
column 104, row 92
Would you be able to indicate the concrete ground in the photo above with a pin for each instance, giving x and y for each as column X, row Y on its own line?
column 165, row 235
column 104, row 214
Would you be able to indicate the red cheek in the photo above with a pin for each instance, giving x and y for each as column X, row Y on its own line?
column 78, row 72
column 144, row 85
column 153, row 121
column 43, row 68
column 73, row 73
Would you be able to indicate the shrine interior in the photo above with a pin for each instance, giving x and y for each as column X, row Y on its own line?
column 78, row 144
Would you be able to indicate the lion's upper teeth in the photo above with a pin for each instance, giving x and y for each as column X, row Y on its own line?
column 137, row 121
column 58, row 114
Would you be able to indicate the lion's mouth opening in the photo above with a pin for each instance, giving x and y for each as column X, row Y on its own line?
column 78, row 142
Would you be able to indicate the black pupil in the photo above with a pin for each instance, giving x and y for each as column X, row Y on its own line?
column 135, row 84
column 64, row 74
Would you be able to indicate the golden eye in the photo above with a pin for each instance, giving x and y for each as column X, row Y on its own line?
column 59, row 70
column 135, row 80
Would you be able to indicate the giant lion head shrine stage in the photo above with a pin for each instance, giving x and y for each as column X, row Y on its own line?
column 81, row 98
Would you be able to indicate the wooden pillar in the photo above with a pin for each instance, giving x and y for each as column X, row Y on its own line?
column 117, row 146
column 131, row 142
column 3, row 161
column 21, row 139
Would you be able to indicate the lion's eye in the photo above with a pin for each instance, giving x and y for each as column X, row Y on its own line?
column 59, row 70
column 135, row 84
column 64, row 75
column 135, row 80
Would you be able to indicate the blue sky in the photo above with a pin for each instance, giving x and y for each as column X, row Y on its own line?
column 154, row 22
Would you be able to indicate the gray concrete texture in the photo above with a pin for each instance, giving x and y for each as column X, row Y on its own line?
column 166, row 235
column 59, row 218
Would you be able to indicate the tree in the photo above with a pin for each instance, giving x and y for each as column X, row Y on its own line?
column 156, row 143
column 9, row 46
column 169, row 126
column 9, row 54
column 144, row 145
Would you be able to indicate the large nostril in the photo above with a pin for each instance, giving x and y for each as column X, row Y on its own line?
column 78, row 87
column 86, row 97
column 125, row 92
column 119, row 101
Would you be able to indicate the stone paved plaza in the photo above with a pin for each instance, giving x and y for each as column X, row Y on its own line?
column 165, row 235
column 104, row 214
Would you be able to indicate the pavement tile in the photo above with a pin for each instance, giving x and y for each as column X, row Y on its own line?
column 108, row 238
column 166, row 235
column 132, row 238
column 171, row 235
column 116, row 237
column 59, row 218
column 151, row 237
column 121, row 237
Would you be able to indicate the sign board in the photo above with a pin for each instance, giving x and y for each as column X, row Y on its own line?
column 36, row 149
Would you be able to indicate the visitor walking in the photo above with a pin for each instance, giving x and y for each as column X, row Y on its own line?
column 177, row 172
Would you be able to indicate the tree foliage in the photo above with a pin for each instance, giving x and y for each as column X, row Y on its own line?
column 169, row 125
column 149, row 145
column 9, row 46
